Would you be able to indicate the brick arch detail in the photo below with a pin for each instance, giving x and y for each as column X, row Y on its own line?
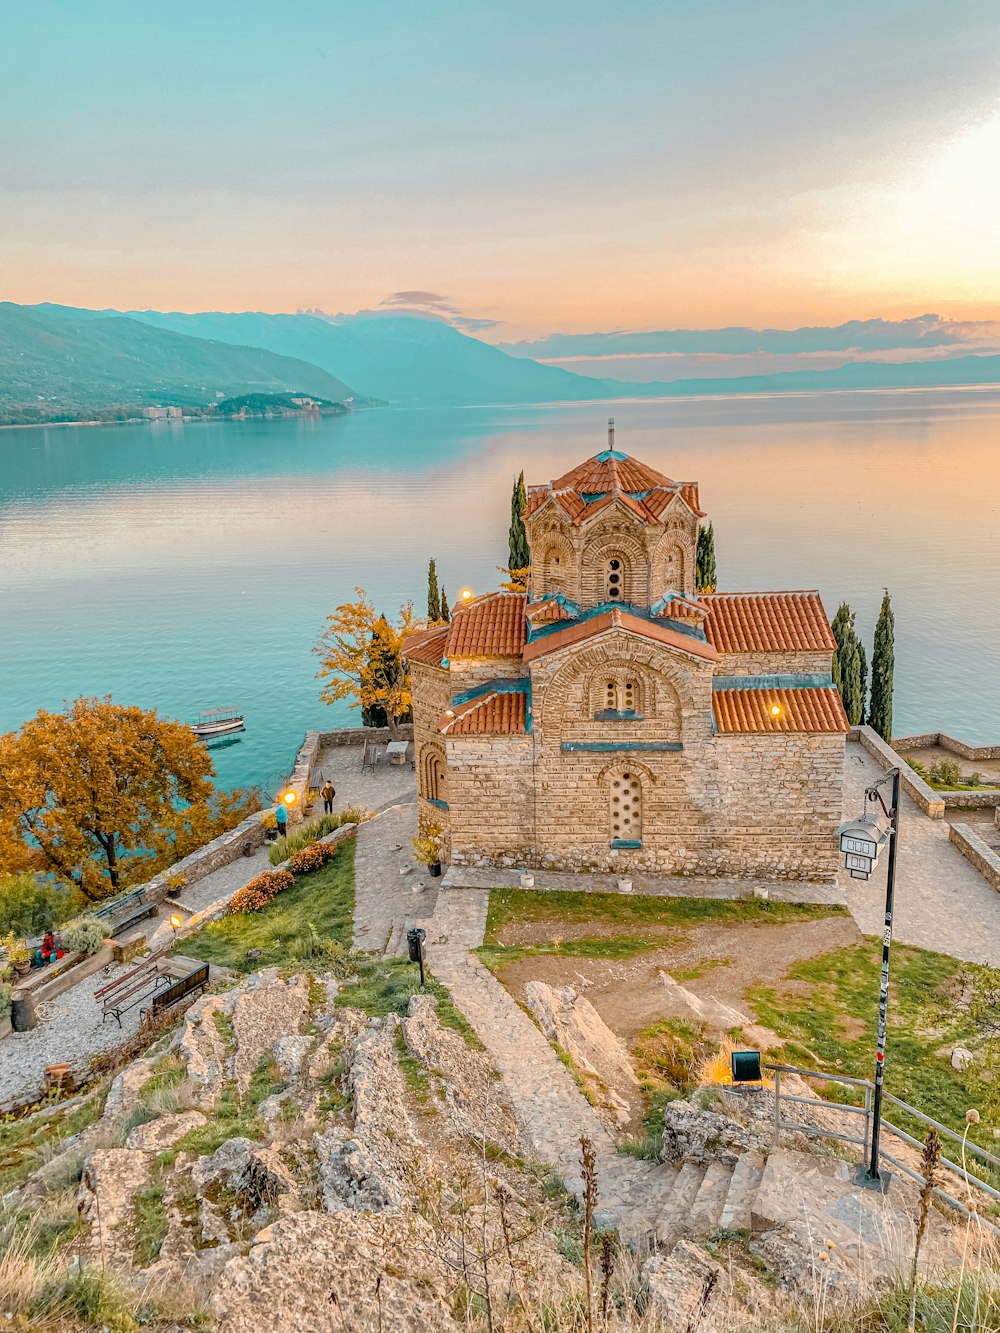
column 605, row 545
column 588, row 663
column 433, row 772
column 543, row 577
column 623, row 763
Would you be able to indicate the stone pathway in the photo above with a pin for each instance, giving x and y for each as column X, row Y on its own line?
column 551, row 1111
column 391, row 889
column 223, row 882
column 942, row 902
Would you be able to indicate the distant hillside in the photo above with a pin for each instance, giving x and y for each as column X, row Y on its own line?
column 82, row 360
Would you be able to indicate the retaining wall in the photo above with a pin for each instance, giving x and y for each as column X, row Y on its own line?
column 249, row 832
column 977, row 852
column 906, row 743
column 931, row 802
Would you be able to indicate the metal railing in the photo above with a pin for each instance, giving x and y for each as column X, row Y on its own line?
column 961, row 1172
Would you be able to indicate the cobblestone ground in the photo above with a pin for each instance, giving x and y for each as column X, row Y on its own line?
column 389, row 783
column 942, row 902
column 551, row 1110
column 391, row 889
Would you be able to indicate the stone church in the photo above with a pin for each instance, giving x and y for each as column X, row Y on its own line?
column 613, row 718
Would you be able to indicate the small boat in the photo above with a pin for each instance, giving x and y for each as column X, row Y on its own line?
column 218, row 722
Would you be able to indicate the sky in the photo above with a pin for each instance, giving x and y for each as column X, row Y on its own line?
column 522, row 169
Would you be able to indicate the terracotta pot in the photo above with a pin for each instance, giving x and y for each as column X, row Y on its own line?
column 22, row 969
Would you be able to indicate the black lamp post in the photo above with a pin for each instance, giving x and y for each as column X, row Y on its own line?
column 861, row 841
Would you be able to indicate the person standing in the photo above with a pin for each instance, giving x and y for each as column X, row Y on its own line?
column 281, row 819
column 328, row 792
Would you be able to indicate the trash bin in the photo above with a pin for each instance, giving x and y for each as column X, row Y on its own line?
column 22, row 1013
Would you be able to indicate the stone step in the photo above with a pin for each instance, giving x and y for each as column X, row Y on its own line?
column 710, row 1200
column 747, row 1174
column 672, row 1223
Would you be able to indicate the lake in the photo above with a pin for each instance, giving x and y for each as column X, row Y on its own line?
column 183, row 567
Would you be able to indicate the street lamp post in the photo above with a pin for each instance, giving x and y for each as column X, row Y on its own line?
column 861, row 841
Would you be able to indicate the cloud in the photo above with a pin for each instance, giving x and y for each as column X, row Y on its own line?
column 435, row 306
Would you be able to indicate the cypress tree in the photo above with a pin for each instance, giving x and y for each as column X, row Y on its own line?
column 850, row 679
column 838, row 626
column 704, row 562
column 863, row 659
column 883, row 667
column 445, row 613
column 517, row 539
column 433, row 597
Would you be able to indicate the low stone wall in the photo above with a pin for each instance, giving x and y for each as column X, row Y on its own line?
column 906, row 743
column 976, row 852
column 50, row 982
column 972, row 799
column 931, row 802
column 298, row 782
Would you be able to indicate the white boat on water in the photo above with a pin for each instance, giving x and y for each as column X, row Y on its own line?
column 218, row 722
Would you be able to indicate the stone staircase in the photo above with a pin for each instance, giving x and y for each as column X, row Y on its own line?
column 698, row 1200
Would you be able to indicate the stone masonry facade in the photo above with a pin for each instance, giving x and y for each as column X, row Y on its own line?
column 614, row 717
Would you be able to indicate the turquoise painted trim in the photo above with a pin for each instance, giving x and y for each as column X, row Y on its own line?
column 619, row 715
column 610, row 747
column 562, row 600
column 820, row 681
column 626, row 844
column 606, row 455
column 439, row 805
column 630, row 609
column 500, row 685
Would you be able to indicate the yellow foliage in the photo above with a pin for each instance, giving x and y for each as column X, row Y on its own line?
column 517, row 579
column 102, row 795
column 361, row 657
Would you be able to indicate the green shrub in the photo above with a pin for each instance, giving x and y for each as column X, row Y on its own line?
column 918, row 768
column 315, row 828
column 84, row 935
column 30, row 906
column 5, row 994
column 946, row 773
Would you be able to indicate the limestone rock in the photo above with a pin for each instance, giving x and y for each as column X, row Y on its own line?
column 289, row 1053
column 961, row 1058
column 693, row 1135
column 574, row 1024
column 157, row 1135
column 323, row 1273
column 204, row 1049
column 706, row 1009
column 691, row 1293
column 268, row 1009
column 111, row 1179
column 123, row 1094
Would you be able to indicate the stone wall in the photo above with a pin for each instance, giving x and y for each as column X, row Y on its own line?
column 922, row 795
column 775, row 664
column 358, row 735
column 760, row 806
column 903, row 744
column 432, row 691
column 976, row 852
column 212, row 856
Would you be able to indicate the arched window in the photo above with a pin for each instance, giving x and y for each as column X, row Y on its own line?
column 555, row 569
column 611, row 695
column 617, row 692
column 625, row 795
column 433, row 773
column 615, row 580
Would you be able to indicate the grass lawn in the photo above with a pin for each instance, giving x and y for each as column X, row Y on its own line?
column 827, row 1015
column 324, row 900
column 555, row 910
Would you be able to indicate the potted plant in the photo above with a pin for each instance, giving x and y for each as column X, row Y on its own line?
column 427, row 848
column 18, row 954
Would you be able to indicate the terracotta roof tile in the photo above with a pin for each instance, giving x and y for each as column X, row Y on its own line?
column 500, row 713
column 615, row 619
column 611, row 470
column 612, row 475
column 767, row 622
column 808, row 710
column 427, row 645
column 491, row 626
column 548, row 611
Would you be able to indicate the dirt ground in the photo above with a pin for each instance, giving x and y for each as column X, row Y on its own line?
column 713, row 961
column 929, row 755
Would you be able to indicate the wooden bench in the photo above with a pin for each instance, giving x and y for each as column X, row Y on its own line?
column 126, row 910
column 134, row 987
column 178, row 990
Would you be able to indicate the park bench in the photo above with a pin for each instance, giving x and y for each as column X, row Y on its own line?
column 126, row 910
column 178, row 990
column 370, row 757
column 134, row 987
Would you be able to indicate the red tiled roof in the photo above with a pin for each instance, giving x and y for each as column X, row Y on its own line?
column 810, row 710
column 547, row 611
column 491, row 626
column 767, row 622
column 611, row 471
column 501, row 713
column 616, row 619
column 427, row 645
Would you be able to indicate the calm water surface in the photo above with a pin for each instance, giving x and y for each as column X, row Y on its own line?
column 185, row 567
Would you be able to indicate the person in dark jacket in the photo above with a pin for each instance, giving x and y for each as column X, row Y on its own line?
column 328, row 792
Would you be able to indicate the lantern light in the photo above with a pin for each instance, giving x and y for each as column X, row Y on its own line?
column 776, row 710
column 466, row 594
column 288, row 797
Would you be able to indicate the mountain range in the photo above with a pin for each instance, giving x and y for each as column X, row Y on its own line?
column 72, row 359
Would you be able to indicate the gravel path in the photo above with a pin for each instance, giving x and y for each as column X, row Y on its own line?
column 942, row 902
column 391, row 889
column 69, row 1030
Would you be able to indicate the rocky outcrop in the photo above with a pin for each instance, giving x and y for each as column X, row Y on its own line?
column 112, row 1177
column 572, row 1023
column 691, row 1134
column 690, row 1292
column 158, row 1135
column 706, row 1009
column 329, row 1272
column 265, row 1010
column 205, row 1050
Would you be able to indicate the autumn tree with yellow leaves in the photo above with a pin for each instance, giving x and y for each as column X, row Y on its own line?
column 361, row 655
column 103, row 795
